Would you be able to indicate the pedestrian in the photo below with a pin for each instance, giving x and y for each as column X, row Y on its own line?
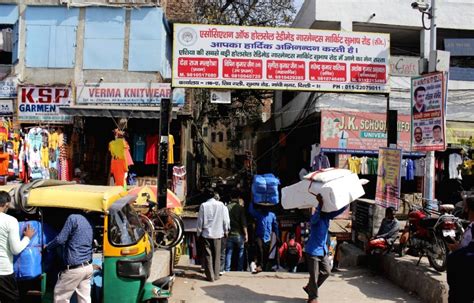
column 316, row 251
column 238, row 235
column 388, row 231
column 212, row 225
column 76, row 237
column 460, row 265
column 291, row 252
column 10, row 245
column 266, row 224
column 467, row 236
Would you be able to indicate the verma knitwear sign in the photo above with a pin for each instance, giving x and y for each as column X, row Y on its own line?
column 237, row 57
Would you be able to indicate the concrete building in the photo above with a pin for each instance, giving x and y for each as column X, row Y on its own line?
column 297, row 115
column 96, row 51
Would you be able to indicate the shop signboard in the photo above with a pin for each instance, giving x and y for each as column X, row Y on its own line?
column 404, row 66
column 428, row 97
column 6, row 107
column 143, row 94
column 388, row 178
column 241, row 57
column 8, row 87
column 356, row 132
column 460, row 133
column 41, row 104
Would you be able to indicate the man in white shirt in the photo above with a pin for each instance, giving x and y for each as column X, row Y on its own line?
column 213, row 224
column 10, row 245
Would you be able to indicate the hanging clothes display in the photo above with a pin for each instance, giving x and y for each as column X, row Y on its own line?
column 139, row 145
column 373, row 164
column 151, row 149
column 320, row 161
column 354, row 165
column 410, row 174
column 121, row 158
column 454, row 161
column 364, row 168
column 419, row 167
column 170, row 149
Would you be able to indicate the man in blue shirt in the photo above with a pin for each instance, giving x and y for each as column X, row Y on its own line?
column 77, row 238
column 316, row 250
column 266, row 223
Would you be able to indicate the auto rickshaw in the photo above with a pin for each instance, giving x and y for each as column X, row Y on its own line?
column 122, row 248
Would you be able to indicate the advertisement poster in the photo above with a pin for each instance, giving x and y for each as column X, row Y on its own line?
column 388, row 178
column 41, row 104
column 428, row 112
column 360, row 131
column 6, row 107
column 123, row 93
column 8, row 87
column 238, row 57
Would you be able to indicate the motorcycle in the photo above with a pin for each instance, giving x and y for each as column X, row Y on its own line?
column 428, row 233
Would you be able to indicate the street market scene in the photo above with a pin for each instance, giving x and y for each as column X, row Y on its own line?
column 236, row 151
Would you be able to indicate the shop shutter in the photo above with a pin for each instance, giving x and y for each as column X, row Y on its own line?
column 104, row 38
column 147, row 40
column 51, row 36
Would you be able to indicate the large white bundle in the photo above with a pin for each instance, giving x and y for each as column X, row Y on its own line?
column 338, row 192
column 342, row 189
column 328, row 174
column 298, row 196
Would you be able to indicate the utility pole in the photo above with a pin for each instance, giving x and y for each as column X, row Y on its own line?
column 163, row 152
column 429, row 181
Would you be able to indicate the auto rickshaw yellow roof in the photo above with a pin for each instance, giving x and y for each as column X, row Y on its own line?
column 87, row 197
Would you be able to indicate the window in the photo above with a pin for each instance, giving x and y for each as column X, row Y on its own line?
column 204, row 132
column 124, row 226
column 104, row 36
column 228, row 163
column 213, row 137
column 221, row 136
column 213, row 162
column 147, row 47
column 51, row 36
column 219, row 163
column 8, row 34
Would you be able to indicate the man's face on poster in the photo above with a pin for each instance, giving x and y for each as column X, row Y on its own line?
column 437, row 133
column 418, row 135
column 420, row 97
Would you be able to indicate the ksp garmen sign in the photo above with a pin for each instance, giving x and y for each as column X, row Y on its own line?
column 238, row 57
column 41, row 104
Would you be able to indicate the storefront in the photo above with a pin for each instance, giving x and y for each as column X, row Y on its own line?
column 44, row 141
column 108, row 114
column 8, row 92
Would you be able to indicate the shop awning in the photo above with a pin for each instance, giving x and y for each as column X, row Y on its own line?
column 137, row 112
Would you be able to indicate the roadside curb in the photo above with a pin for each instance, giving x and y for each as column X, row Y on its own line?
column 428, row 284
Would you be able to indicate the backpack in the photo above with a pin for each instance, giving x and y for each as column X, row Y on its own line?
column 292, row 255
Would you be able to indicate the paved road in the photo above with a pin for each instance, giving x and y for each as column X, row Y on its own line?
column 351, row 286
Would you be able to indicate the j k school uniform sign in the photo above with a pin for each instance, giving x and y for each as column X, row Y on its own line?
column 42, row 104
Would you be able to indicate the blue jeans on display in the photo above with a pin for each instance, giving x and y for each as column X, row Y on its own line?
column 231, row 242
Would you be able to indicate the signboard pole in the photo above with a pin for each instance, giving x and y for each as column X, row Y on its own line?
column 163, row 152
column 429, row 184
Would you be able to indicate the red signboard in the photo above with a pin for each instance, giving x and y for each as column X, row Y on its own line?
column 327, row 71
column 198, row 67
column 285, row 70
column 242, row 69
column 360, row 131
column 368, row 73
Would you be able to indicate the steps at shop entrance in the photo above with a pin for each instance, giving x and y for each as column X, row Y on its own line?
column 428, row 284
column 160, row 265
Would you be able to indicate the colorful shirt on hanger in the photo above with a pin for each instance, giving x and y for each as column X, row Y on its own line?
column 373, row 164
column 4, row 157
column 319, row 162
column 54, row 140
column 419, row 167
column 410, row 169
column 364, row 167
column 403, row 169
column 151, row 149
column 117, row 148
column 454, row 161
column 354, row 165
column 170, row 149
column 139, row 148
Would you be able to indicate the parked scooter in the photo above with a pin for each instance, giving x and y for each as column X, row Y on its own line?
column 428, row 232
